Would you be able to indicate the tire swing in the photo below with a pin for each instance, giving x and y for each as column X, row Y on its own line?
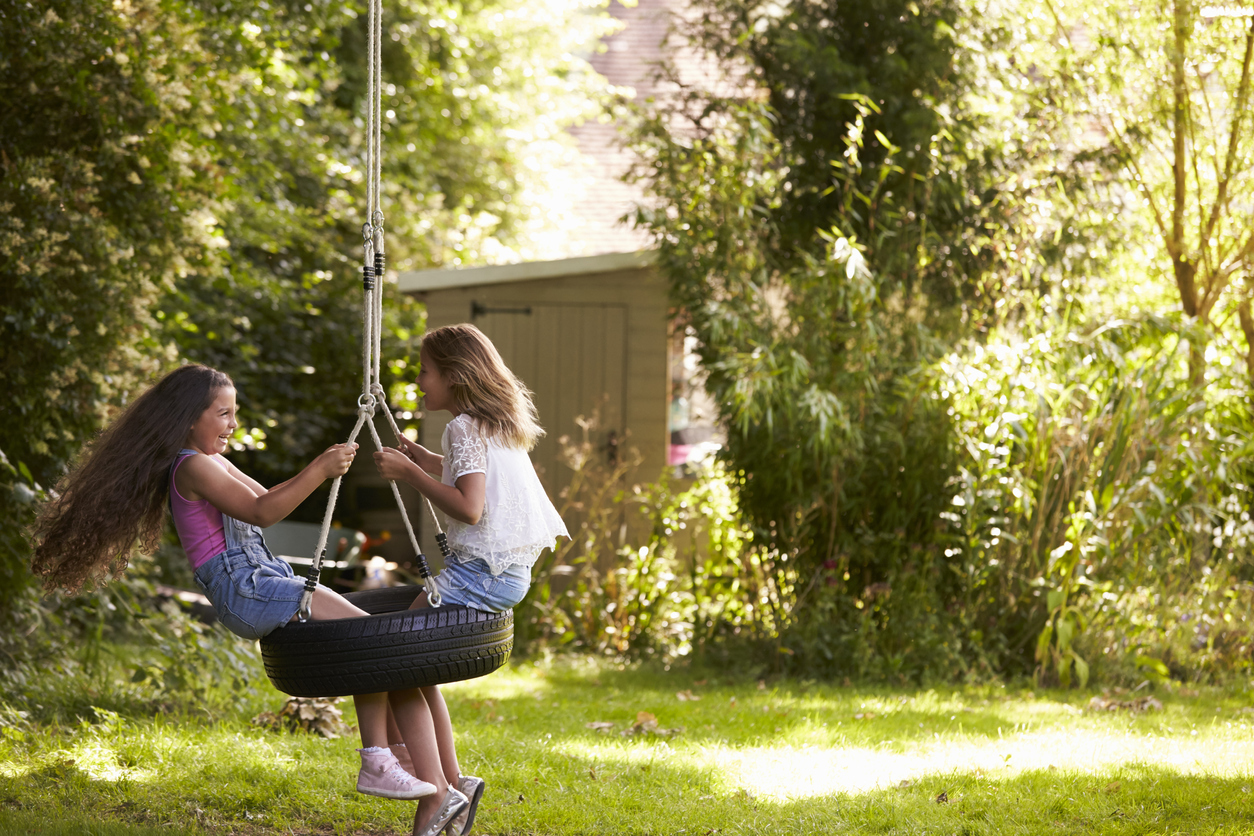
column 393, row 648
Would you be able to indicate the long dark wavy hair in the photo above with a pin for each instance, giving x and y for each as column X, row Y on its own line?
column 115, row 495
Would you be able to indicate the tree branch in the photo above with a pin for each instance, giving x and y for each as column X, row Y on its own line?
column 1234, row 135
column 1184, row 270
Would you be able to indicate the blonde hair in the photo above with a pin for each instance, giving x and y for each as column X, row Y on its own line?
column 482, row 385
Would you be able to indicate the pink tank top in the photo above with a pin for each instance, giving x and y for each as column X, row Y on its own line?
column 198, row 523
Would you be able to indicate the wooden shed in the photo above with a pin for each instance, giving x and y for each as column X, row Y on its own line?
column 584, row 334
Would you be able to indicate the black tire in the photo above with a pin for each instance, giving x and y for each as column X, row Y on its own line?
column 391, row 649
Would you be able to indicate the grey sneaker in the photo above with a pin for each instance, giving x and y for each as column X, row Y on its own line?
column 454, row 803
column 472, row 788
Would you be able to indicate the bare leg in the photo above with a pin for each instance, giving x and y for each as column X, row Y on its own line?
column 446, row 752
column 443, row 733
column 413, row 716
column 394, row 731
column 440, row 717
column 372, row 716
column 372, row 709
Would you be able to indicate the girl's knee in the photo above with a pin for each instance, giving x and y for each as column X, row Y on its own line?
column 405, row 695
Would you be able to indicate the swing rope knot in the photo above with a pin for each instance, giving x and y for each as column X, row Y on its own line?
column 372, row 272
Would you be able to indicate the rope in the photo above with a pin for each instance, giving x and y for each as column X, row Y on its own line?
column 372, row 271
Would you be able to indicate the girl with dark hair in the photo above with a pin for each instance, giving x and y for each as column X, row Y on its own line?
column 167, row 447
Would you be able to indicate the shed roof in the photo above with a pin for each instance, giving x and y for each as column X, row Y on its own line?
column 420, row 281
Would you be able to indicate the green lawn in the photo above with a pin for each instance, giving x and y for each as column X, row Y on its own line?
column 746, row 757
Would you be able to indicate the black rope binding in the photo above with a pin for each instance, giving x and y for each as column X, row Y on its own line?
column 424, row 571
column 311, row 580
column 367, row 277
column 378, row 265
column 445, row 551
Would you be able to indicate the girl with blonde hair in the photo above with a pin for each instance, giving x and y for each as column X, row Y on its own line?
column 499, row 518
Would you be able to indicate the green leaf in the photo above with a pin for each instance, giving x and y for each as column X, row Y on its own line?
column 1066, row 629
column 1043, row 642
column 1153, row 666
column 1082, row 670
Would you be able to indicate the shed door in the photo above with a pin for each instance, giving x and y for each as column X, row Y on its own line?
column 574, row 358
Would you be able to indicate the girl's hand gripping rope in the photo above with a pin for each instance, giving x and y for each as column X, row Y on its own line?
column 336, row 460
column 394, row 465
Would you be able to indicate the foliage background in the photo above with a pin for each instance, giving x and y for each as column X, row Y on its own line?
column 970, row 422
column 969, row 283
column 181, row 181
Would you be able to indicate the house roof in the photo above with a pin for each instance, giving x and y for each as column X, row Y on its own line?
column 595, row 239
column 629, row 61
column 421, row 281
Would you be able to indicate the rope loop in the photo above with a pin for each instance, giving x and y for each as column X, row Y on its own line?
column 366, row 402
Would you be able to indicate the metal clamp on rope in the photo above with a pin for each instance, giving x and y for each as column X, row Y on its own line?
column 433, row 594
column 311, row 583
column 306, row 605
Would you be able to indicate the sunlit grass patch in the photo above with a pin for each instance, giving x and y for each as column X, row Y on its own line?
column 586, row 748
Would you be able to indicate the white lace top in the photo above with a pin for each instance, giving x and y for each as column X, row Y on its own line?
column 518, row 520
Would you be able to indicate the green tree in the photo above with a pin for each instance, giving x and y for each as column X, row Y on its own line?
column 864, row 198
column 470, row 92
column 1169, row 86
column 100, row 183
column 182, row 181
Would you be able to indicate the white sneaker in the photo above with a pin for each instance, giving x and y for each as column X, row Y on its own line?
column 381, row 774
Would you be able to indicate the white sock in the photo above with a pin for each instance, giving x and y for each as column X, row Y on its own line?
column 370, row 750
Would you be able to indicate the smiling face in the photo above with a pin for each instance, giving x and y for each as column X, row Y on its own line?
column 211, row 434
column 436, row 392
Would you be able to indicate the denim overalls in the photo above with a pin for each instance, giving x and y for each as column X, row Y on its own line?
column 252, row 591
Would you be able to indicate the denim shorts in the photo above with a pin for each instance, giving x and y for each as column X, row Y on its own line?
column 471, row 583
column 252, row 592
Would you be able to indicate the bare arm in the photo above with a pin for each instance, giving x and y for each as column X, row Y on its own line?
column 199, row 478
column 462, row 501
column 245, row 478
column 257, row 487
